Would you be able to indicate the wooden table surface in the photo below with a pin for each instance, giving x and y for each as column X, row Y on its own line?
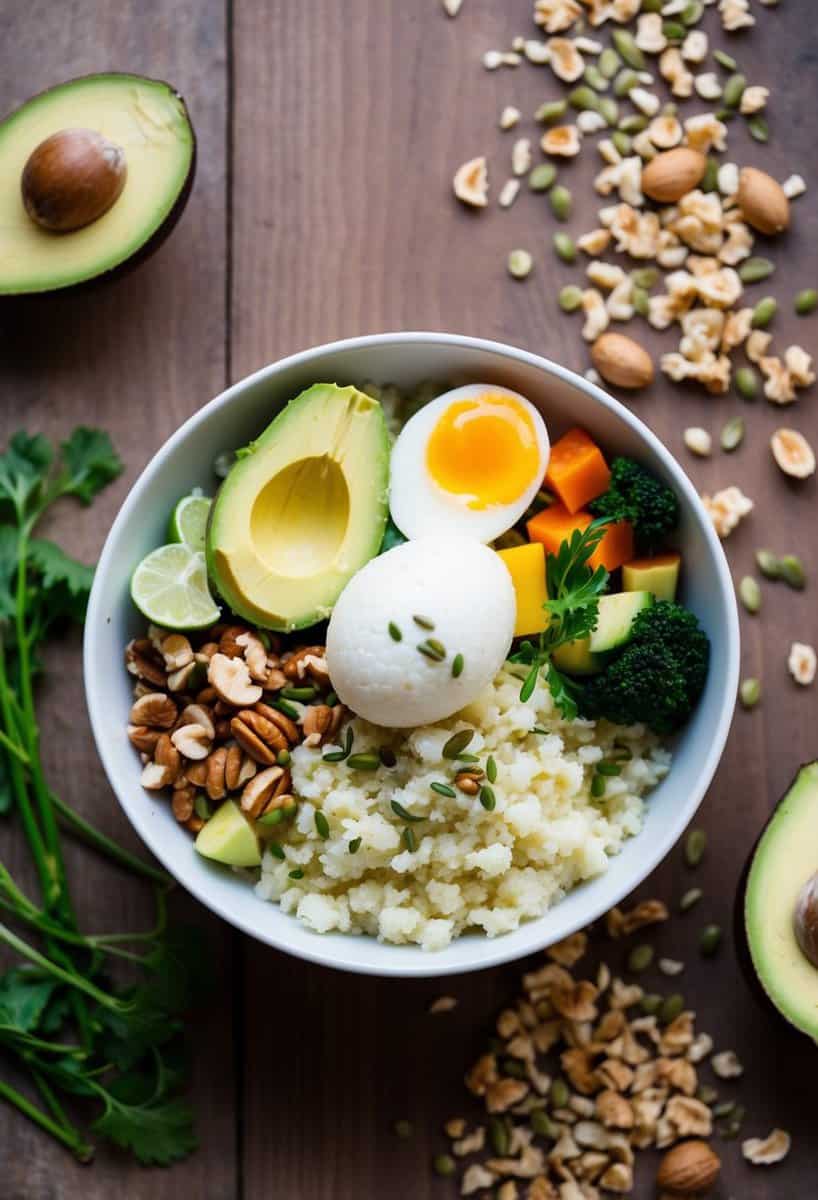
column 328, row 133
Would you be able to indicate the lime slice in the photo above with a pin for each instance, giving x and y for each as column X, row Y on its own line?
column 188, row 522
column 170, row 588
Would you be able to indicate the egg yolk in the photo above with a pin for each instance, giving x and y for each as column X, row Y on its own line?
column 484, row 450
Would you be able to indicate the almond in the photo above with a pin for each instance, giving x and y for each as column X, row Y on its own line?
column 622, row 361
column 762, row 201
column 671, row 175
column 689, row 1168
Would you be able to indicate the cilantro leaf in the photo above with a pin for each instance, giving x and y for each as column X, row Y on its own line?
column 23, row 468
column 90, row 463
column 24, row 995
column 159, row 1133
column 564, row 691
column 8, row 570
column 57, row 567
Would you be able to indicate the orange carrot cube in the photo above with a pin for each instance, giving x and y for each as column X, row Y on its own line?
column 577, row 470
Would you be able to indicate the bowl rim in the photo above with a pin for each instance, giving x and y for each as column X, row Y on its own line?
column 489, row 952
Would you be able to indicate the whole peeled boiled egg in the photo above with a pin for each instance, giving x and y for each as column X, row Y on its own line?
column 470, row 462
column 421, row 630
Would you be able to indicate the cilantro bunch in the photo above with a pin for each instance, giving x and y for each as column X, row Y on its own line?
column 68, row 1019
column 573, row 588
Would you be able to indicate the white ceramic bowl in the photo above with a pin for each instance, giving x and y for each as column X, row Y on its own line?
column 238, row 415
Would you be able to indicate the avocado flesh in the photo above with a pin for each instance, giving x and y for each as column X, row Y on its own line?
column 143, row 116
column 302, row 510
column 615, row 619
column 785, row 858
column 658, row 575
column 227, row 838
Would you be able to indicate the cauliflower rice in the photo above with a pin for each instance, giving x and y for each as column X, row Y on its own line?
column 471, row 869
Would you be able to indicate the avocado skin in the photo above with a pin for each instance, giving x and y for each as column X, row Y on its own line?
column 741, row 936
column 157, row 237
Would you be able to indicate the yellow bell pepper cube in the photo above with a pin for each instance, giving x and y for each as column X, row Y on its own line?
column 526, row 565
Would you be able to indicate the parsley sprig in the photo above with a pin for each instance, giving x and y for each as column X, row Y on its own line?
column 574, row 588
column 63, row 1018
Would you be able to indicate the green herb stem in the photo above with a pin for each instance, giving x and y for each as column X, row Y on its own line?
column 99, row 841
column 68, row 1137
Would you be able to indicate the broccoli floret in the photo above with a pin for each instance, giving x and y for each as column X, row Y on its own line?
column 657, row 677
column 635, row 495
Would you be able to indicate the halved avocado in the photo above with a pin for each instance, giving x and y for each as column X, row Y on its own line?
column 302, row 510
column 228, row 838
column 148, row 121
column 784, row 862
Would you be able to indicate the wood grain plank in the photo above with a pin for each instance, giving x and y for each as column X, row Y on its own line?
column 135, row 357
column 345, row 224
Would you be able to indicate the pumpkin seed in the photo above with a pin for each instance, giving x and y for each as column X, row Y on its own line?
column 746, row 383
column 753, row 270
column 354, row 845
column 409, row 839
column 542, row 177
column 768, row 564
column 622, row 141
column 297, row 873
column 302, row 694
column 458, row 662
column 283, row 758
column 598, row 787
column 689, row 899
column 423, row 622
column 692, row 14
column 734, row 90
column 394, row 632
column 674, row 31
column 791, row 570
column 640, row 958
column 725, row 114
column 750, row 594
column 364, row 762
column 444, row 1165
column 595, row 78
column 608, row 768
column 625, row 82
column 764, row 312
column 710, row 940
column 725, row 60
column 559, row 1093
column 806, row 302
column 457, row 742
column 645, row 277
column 491, row 769
column 583, row 98
column 695, row 846
column 560, row 199
column 541, row 1123
column 609, row 62
column 289, row 710
column 710, row 179
column 442, row 789
column 652, row 6
column 650, row 1003
column 520, row 263
column 749, row 693
column 404, row 813
column 552, row 110
column 633, row 123
column 609, row 109
column 759, row 129
column 403, row 1129
column 724, row 1109
column 499, row 1136
column 274, row 848
column 732, row 435
column 564, row 246
column 640, row 301
column 628, row 49
column 707, row 1094
column 672, row 1006
column 321, row 824
column 570, row 298
column 488, row 798
column 202, row 808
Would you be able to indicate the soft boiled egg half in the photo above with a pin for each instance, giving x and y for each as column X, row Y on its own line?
column 469, row 463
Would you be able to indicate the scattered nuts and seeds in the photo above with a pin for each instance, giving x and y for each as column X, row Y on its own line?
column 767, row 1151
column 793, row 453
column 801, row 663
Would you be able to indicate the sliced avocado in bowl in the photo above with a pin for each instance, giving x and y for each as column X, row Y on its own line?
column 614, row 626
column 125, row 137
column 777, row 907
column 303, row 508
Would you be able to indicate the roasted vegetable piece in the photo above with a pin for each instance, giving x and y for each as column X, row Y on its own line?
column 577, row 471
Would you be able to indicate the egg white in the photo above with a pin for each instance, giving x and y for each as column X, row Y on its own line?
column 420, row 507
column 459, row 584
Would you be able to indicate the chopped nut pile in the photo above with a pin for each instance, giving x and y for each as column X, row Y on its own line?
column 220, row 718
column 584, row 1074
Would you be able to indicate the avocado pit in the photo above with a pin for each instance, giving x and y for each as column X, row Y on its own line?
column 805, row 920
column 71, row 179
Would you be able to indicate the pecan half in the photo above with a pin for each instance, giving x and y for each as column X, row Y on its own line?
column 215, row 783
column 154, row 709
column 143, row 738
column 166, row 755
column 182, row 803
column 238, row 767
column 264, row 790
column 285, row 725
column 258, row 737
